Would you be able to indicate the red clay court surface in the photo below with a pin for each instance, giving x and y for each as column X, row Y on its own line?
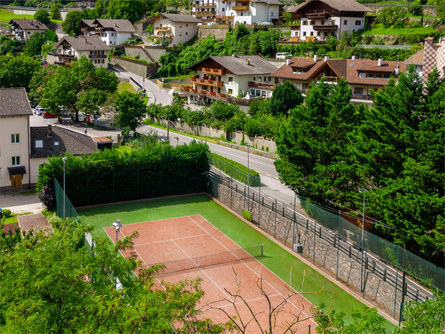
column 185, row 238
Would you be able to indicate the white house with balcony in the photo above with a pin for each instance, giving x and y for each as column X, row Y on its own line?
column 320, row 19
column 23, row 29
column 110, row 31
column 229, row 77
column 174, row 28
column 261, row 12
column 70, row 49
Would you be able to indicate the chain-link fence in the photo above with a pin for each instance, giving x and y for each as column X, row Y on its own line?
column 332, row 242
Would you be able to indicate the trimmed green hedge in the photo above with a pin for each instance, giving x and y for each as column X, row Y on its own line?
column 111, row 176
column 235, row 169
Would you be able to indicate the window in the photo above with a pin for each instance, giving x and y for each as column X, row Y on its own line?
column 271, row 14
column 56, row 143
column 254, row 78
column 15, row 161
column 322, row 22
column 358, row 90
column 345, row 22
column 223, row 9
column 304, row 33
column 312, row 33
column 318, row 33
column 39, row 143
column 187, row 25
column 358, row 22
column 311, row 23
column 305, row 86
column 186, row 33
column 305, row 23
column 230, row 91
column 15, row 138
column 230, row 79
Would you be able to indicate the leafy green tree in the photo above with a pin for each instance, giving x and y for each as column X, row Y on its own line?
column 17, row 71
column 42, row 15
column 51, row 283
column 285, row 97
column 222, row 111
column 90, row 101
column 130, row 110
column 34, row 44
column 51, row 36
column 71, row 23
column 9, row 46
column 54, row 12
column 125, row 9
column 100, row 7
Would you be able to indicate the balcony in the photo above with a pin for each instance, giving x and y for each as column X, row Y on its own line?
column 261, row 85
column 200, row 14
column 330, row 27
column 63, row 54
column 361, row 96
column 227, row 18
column 167, row 37
column 204, row 5
column 98, row 56
column 207, row 82
column 163, row 29
column 241, row 8
column 213, row 71
column 320, row 15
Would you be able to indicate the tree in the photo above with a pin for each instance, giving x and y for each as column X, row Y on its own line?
column 51, row 283
column 130, row 110
column 9, row 46
column 34, row 44
column 54, row 12
column 42, row 15
column 17, row 71
column 51, row 36
column 285, row 97
column 100, row 7
column 71, row 23
column 125, row 9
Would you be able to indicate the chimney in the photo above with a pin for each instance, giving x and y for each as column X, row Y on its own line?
column 396, row 71
column 49, row 133
column 326, row 58
column 233, row 55
column 380, row 62
column 287, row 61
column 315, row 58
column 353, row 57
column 248, row 61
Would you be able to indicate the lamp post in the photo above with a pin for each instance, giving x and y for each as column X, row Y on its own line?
column 248, row 178
column 64, row 159
column 177, row 141
column 362, row 244
column 117, row 225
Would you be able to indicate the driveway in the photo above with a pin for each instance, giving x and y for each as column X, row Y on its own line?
column 21, row 202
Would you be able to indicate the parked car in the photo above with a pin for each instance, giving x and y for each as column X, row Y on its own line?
column 49, row 115
column 283, row 55
column 39, row 110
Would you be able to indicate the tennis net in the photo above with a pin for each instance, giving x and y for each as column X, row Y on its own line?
column 235, row 255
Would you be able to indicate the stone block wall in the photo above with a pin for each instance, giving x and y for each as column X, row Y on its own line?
column 277, row 224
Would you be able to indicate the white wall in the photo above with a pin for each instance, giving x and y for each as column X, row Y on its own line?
column 182, row 32
column 35, row 164
column 114, row 38
column 9, row 126
column 339, row 21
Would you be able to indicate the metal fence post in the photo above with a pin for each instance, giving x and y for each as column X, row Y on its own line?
column 403, row 298
column 397, row 276
column 338, row 254
column 315, row 233
column 259, row 207
column 231, row 192
column 275, row 228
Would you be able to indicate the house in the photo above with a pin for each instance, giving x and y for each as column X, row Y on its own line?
column 53, row 140
column 70, row 49
column 320, row 19
column 110, row 31
column 5, row 31
column 261, row 12
column 363, row 75
column 23, row 29
column 14, row 138
column 237, row 11
column 175, row 28
column 222, row 77
column 432, row 56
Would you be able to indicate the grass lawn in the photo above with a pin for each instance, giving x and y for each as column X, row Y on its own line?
column 125, row 86
column 276, row 259
column 13, row 218
column 6, row 16
column 379, row 29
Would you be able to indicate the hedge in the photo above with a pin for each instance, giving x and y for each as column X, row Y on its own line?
column 235, row 169
column 112, row 176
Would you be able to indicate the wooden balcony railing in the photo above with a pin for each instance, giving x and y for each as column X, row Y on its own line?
column 204, row 5
column 207, row 82
column 320, row 15
column 213, row 71
column 326, row 27
column 261, row 85
column 201, row 14
column 240, row 8
column 162, row 29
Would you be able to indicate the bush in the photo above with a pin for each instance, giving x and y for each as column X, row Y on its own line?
column 253, row 127
column 110, row 176
column 6, row 213
column 247, row 215
column 47, row 197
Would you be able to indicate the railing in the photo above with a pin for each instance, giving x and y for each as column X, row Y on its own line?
column 162, row 29
column 97, row 56
column 326, row 27
column 321, row 15
column 262, row 85
column 241, row 8
column 207, row 82
column 227, row 18
column 200, row 14
column 63, row 54
column 213, row 71
column 204, row 5
column 362, row 96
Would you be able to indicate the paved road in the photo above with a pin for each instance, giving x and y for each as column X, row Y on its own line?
column 21, row 202
column 271, row 184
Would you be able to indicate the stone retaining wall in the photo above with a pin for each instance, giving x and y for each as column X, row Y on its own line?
column 377, row 291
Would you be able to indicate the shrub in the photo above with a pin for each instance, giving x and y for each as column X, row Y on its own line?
column 247, row 215
column 253, row 127
column 6, row 213
column 47, row 197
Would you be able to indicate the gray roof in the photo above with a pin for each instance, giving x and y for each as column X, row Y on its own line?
column 14, row 102
column 85, row 43
column 68, row 141
column 341, row 5
column 242, row 65
column 26, row 24
column 116, row 25
column 88, row 22
column 179, row 18
column 270, row 2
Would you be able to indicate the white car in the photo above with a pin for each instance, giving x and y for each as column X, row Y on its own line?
column 283, row 55
column 39, row 110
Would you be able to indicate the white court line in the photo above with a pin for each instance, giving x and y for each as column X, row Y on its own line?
column 302, row 311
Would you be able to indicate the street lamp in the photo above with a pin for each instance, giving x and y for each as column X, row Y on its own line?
column 248, row 177
column 64, row 159
column 362, row 242
column 177, row 141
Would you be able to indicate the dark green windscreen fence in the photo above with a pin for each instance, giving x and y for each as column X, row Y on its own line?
column 64, row 208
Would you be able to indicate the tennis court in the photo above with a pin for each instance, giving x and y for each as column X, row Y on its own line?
column 191, row 247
